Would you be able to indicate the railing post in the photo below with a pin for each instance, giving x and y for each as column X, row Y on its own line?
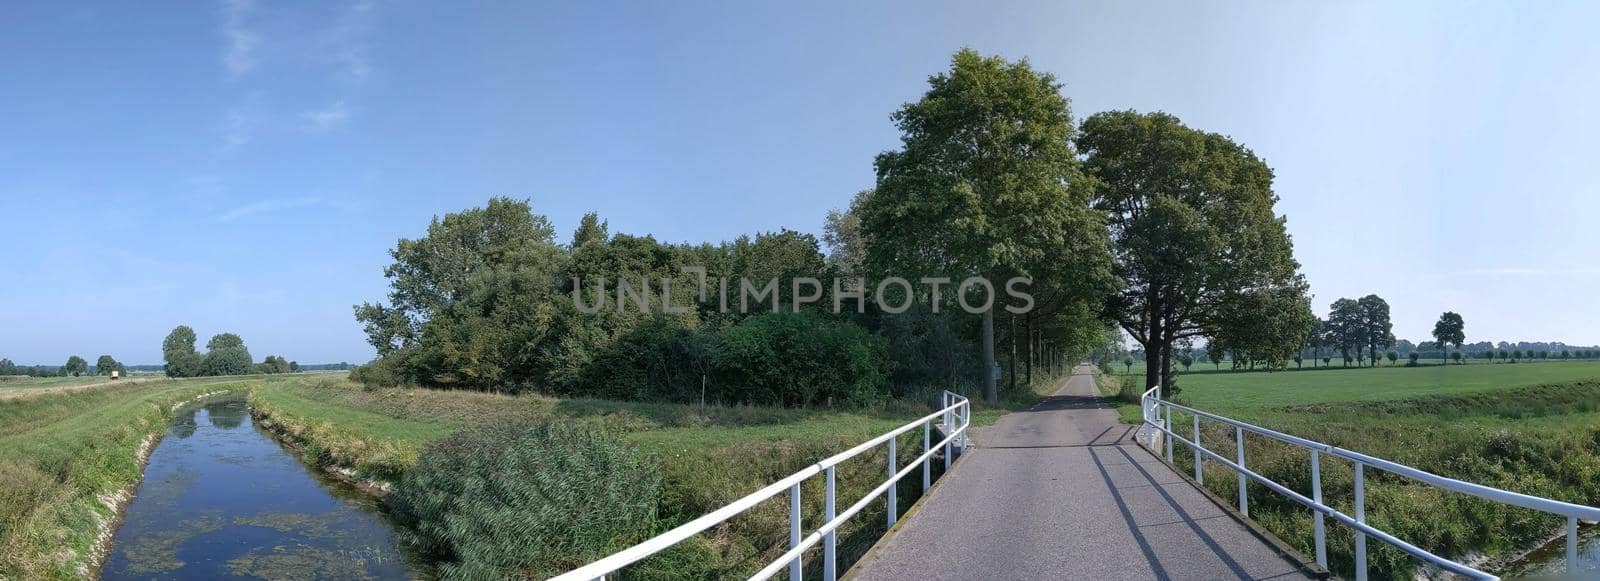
column 1572, row 547
column 1361, row 517
column 830, row 543
column 1167, row 434
column 927, row 464
column 794, row 530
column 1244, row 481
column 1199, row 460
column 1318, row 533
column 893, row 506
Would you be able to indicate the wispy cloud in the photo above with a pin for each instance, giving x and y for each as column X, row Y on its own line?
column 326, row 118
column 346, row 42
column 268, row 206
column 238, row 56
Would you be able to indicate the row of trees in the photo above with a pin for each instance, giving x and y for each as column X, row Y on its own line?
column 75, row 366
column 1130, row 220
column 225, row 354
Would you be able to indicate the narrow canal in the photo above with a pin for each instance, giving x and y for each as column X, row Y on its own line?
column 220, row 498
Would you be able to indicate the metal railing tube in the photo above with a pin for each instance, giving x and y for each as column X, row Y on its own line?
column 1361, row 517
column 1319, row 530
column 795, row 564
column 890, row 505
column 830, row 546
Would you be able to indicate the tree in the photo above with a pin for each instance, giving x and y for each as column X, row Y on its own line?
column 294, row 367
column 1565, row 354
column 106, row 364
column 1456, row 355
column 590, row 229
column 1394, row 356
column 1326, row 361
column 984, row 185
column 1127, row 365
column 1504, row 354
column 1516, row 354
column 226, row 355
column 179, row 353
column 841, row 232
column 1450, row 330
column 274, row 364
column 1346, row 329
column 1413, row 359
column 1187, row 360
column 1194, row 233
column 7, row 367
column 75, row 366
column 1377, row 328
column 1297, row 360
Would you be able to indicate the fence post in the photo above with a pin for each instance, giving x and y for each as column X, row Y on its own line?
column 1199, row 461
column 1361, row 517
column 1167, row 435
column 1572, row 547
column 927, row 463
column 830, row 543
column 1244, row 481
column 893, row 506
column 794, row 530
column 1316, row 495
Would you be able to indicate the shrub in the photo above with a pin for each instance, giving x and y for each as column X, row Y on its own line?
column 496, row 502
column 798, row 359
column 381, row 372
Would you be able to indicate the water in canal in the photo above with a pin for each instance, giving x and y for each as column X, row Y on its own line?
column 222, row 499
column 1550, row 561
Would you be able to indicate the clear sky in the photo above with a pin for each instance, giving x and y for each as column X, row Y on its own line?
column 244, row 166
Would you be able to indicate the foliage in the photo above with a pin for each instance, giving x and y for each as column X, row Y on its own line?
column 985, row 184
column 179, row 353
column 573, row 492
column 1196, row 238
column 75, row 366
column 1450, row 330
column 274, row 364
column 799, row 359
column 107, row 364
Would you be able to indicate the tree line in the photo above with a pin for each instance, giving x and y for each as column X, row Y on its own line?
column 1129, row 220
column 226, row 354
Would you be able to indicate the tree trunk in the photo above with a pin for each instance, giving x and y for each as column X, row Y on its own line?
column 989, row 392
column 1028, row 324
column 1011, row 337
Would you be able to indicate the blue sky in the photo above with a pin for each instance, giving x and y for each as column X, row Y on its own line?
column 244, row 166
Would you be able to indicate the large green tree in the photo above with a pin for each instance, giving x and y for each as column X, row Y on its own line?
column 984, row 185
column 1449, row 330
column 107, row 364
column 226, row 355
column 1194, row 231
column 179, row 353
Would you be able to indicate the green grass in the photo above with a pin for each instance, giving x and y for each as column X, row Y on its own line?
column 1530, row 428
column 61, row 454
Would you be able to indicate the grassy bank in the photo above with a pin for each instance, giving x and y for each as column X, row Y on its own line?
column 1533, row 429
column 66, row 460
column 708, row 456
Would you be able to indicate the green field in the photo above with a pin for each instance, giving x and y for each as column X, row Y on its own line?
column 1532, row 428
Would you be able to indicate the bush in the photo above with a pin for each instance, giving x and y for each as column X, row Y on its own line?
column 497, row 502
column 789, row 358
column 381, row 372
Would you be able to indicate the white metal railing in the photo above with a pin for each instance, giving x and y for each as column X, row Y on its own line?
column 1152, row 405
column 954, row 417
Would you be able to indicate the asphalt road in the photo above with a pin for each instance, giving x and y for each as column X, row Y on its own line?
column 1061, row 491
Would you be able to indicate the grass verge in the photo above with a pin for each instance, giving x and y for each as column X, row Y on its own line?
column 67, row 462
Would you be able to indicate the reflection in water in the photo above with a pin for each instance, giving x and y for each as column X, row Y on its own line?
column 1550, row 561
column 221, row 501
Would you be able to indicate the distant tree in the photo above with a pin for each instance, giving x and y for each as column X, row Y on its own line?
column 841, row 232
column 1449, row 330
column 294, row 367
column 1504, row 355
column 273, row 364
column 1378, row 329
column 1516, row 355
column 1346, row 333
column 1127, row 364
column 1326, row 361
column 1414, row 357
column 226, row 355
column 1297, row 360
column 1392, row 356
column 105, row 365
column 1186, row 360
column 178, row 351
column 7, row 367
column 75, row 366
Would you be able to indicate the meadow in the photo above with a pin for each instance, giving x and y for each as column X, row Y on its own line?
column 1531, row 428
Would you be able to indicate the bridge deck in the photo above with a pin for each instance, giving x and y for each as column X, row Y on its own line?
column 1062, row 491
